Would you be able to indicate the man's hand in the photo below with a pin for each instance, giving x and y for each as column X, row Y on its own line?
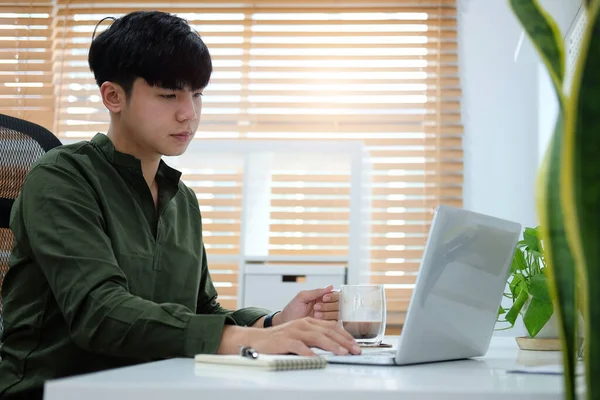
column 318, row 303
column 300, row 335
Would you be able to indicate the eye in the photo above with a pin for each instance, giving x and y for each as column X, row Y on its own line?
column 198, row 95
column 167, row 96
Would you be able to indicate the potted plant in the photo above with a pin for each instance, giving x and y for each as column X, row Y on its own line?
column 528, row 291
column 568, row 191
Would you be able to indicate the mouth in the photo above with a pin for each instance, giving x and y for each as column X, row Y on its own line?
column 183, row 135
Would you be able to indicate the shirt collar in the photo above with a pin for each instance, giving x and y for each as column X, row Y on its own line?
column 106, row 146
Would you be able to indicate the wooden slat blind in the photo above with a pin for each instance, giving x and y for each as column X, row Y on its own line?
column 26, row 89
column 309, row 214
column 219, row 193
column 384, row 72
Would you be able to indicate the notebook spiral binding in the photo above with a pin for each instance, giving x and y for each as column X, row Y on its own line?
column 301, row 363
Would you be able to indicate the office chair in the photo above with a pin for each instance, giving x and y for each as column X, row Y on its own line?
column 21, row 144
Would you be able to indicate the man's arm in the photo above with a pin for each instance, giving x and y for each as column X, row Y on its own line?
column 294, row 336
column 261, row 322
column 64, row 225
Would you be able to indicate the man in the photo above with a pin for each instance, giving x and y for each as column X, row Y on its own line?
column 109, row 267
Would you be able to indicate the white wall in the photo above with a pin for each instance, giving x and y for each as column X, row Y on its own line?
column 509, row 106
column 509, row 110
column 499, row 113
column 547, row 110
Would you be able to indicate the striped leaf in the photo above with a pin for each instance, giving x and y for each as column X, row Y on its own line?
column 559, row 259
column 581, row 184
column 546, row 37
column 545, row 34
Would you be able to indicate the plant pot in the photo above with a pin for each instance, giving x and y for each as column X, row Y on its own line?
column 538, row 344
column 550, row 330
column 547, row 339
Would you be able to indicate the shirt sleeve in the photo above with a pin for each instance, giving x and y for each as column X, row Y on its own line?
column 208, row 301
column 64, row 225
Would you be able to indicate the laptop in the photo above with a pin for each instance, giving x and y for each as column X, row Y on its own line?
column 458, row 291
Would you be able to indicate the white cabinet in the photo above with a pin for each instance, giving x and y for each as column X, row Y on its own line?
column 272, row 286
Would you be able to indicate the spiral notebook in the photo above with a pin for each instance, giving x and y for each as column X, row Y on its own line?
column 265, row 361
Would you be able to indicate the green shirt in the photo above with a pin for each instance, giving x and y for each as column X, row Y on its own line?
column 99, row 278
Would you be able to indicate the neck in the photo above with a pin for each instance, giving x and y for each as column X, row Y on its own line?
column 122, row 142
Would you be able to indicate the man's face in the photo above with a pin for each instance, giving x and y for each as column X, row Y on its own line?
column 161, row 121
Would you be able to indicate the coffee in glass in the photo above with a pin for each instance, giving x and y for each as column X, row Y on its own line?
column 363, row 312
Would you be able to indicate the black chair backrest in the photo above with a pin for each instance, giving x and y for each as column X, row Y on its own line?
column 21, row 144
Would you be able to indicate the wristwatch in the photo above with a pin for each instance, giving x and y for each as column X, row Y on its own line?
column 269, row 320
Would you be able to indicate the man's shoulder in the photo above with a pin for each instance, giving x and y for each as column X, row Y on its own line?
column 66, row 164
column 189, row 193
column 55, row 174
column 65, row 154
column 68, row 156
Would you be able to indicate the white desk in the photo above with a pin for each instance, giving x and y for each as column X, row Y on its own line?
column 481, row 378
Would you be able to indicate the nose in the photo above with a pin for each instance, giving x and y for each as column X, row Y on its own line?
column 188, row 108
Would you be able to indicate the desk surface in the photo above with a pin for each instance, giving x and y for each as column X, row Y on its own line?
column 181, row 379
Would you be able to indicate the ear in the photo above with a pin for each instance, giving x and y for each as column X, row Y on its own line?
column 113, row 96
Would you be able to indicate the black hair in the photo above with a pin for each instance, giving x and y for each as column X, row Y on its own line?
column 159, row 47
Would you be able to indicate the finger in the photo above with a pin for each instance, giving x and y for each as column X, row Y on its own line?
column 298, row 347
column 332, row 297
column 344, row 340
column 338, row 328
column 334, row 330
column 327, row 307
column 327, row 315
column 315, row 294
column 323, row 341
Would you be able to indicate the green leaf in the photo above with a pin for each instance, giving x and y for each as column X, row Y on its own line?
column 531, row 232
column 537, row 315
column 501, row 311
column 520, row 260
column 538, row 288
column 514, row 285
column 531, row 240
column 513, row 313
column 559, row 259
column 546, row 37
column 582, row 191
column 537, row 254
column 513, row 267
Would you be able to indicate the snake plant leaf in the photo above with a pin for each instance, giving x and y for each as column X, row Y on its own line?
column 559, row 258
column 546, row 37
column 581, row 188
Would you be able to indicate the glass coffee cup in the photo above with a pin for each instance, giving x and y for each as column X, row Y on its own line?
column 363, row 313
